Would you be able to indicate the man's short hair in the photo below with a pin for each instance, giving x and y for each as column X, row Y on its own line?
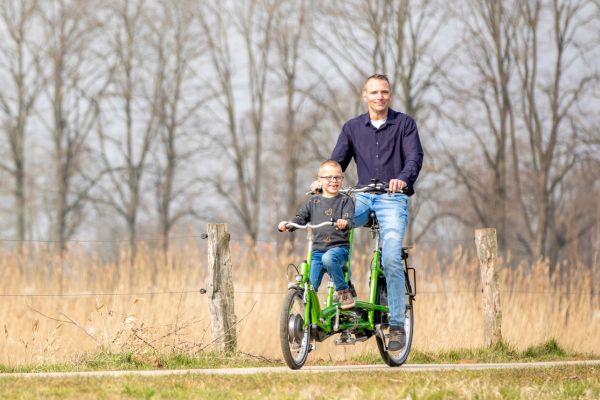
column 331, row 163
column 381, row 77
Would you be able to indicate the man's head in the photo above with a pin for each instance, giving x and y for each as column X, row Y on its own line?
column 377, row 94
column 330, row 177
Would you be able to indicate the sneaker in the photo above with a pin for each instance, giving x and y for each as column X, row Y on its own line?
column 397, row 338
column 346, row 299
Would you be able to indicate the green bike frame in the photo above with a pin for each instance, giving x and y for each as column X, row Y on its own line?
column 327, row 319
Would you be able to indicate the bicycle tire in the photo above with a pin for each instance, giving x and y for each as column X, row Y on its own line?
column 293, row 337
column 394, row 359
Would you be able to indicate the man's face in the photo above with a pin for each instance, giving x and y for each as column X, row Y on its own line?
column 377, row 94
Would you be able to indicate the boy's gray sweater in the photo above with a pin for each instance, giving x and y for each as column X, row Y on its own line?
column 319, row 209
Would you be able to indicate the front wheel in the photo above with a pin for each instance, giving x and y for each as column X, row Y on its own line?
column 393, row 359
column 293, row 336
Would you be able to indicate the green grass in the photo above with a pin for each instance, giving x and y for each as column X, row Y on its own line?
column 502, row 352
column 149, row 361
column 395, row 383
column 128, row 361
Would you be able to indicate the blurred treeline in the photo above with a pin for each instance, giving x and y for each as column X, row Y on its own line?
column 141, row 120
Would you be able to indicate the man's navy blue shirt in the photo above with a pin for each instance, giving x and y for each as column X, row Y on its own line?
column 391, row 152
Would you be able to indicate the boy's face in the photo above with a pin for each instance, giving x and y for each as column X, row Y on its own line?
column 331, row 179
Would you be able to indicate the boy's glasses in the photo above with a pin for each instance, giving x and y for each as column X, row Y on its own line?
column 330, row 178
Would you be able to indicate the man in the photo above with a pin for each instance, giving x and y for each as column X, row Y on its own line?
column 385, row 145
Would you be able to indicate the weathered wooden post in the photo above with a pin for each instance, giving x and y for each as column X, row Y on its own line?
column 487, row 252
column 220, row 288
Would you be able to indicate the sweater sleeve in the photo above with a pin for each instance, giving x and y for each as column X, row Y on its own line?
column 303, row 215
column 348, row 211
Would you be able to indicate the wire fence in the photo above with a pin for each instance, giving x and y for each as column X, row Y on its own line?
column 191, row 237
column 283, row 292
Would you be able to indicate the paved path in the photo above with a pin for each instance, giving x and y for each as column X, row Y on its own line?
column 312, row 369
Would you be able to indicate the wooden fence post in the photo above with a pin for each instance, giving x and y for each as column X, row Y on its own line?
column 220, row 288
column 487, row 252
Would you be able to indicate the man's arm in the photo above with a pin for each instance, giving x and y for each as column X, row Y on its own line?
column 343, row 150
column 412, row 152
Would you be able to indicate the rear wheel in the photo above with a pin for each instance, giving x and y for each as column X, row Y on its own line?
column 293, row 336
column 397, row 358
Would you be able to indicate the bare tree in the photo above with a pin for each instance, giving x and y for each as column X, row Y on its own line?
column 483, row 110
column 178, row 46
column 20, row 55
column 243, row 124
column 531, row 76
column 550, row 110
column 74, row 82
column 291, row 39
column 128, row 125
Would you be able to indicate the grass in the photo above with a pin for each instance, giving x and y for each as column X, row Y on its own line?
column 129, row 361
column 501, row 353
column 536, row 383
column 549, row 351
column 533, row 383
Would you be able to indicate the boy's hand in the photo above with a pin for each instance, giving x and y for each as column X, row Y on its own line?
column 341, row 224
column 282, row 226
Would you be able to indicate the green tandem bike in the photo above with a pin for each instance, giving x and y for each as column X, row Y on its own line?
column 303, row 322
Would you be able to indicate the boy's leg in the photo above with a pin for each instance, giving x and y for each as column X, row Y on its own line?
column 334, row 260
column 316, row 269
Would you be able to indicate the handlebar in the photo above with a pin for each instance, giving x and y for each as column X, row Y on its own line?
column 376, row 186
column 309, row 225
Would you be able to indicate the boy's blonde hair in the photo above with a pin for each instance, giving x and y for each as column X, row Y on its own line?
column 331, row 163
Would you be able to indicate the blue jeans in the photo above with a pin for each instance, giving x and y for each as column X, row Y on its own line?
column 331, row 261
column 392, row 214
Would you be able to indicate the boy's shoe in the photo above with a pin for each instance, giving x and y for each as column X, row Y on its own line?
column 397, row 338
column 346, row 299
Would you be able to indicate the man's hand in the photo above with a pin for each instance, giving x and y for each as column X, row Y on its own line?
column 282, row 226
column 396, row 185
column 341, row 224
column 316, row 187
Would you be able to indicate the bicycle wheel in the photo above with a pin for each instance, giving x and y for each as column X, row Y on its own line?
column 294, row 338
column 393, row 359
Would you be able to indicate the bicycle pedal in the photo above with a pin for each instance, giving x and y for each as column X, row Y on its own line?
column 345, row 339
column 345, row 342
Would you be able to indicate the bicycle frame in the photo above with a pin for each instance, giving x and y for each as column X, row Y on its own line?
column 327, row 319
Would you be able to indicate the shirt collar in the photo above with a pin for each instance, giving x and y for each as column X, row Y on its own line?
column 392, row 117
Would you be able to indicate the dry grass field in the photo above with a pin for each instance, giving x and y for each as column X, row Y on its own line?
column 59, row 309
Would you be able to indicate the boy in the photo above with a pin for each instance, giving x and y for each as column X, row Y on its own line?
column 330, row 245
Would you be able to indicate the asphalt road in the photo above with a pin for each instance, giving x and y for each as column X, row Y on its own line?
column 306, row 370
